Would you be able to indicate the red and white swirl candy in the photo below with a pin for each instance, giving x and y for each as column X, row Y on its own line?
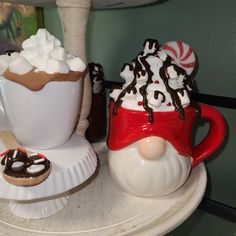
column 181, row 54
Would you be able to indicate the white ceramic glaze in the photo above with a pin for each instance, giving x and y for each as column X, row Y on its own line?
column 3, row 119
column 102, row 209
column 74, row 16
column 148, row 177
column 42, row 119
column 72, row 164
column 40, row 209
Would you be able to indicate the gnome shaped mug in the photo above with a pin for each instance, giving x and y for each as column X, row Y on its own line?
column 151, row 118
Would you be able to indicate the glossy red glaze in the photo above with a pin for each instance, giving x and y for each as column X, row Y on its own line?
column 215, row 135
column 128, row 126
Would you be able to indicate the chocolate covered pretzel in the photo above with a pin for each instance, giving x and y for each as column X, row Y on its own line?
column 22, row 167
column 22, row 170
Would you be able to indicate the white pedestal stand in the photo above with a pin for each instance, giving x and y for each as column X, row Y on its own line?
column 74, row 17
column 72, row 164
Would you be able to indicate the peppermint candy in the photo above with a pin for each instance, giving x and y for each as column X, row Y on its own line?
column 181, row 54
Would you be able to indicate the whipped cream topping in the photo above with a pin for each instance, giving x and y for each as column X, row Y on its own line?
column 41, row 52
column 153, row 83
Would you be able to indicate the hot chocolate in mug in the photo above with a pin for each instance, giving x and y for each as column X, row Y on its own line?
column 44, row 118
column 151, row 159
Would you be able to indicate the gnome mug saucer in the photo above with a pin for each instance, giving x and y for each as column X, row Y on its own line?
column 150, row 122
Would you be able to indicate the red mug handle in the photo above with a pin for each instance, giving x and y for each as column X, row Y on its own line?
column 214, row 137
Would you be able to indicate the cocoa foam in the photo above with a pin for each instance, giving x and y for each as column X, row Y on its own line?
column 35, row 81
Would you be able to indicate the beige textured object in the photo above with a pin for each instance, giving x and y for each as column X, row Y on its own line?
column 102, row 209
column 10, row 141
column 72, row 164
column 27, row 181
column 74, row 17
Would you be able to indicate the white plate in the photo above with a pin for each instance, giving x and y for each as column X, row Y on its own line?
column 72, row 164
column 102, row 209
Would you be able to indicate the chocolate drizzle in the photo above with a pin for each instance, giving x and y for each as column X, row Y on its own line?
column 143, row 89
column 36, row 81
column 24, row 162
column 141, row 67
column 156, row 95
column 197, row 109
column 9, row 159
column 173, row 92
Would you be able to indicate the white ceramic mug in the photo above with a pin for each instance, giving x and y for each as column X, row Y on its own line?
column 155, row 159
column 41, row 119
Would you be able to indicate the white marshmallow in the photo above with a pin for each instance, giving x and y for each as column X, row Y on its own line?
column 59, row 53
column 155, row 102
column 184, row 99
column 127, row 74
column 153, row 87
column 29, row 54
column 173, row 83
column 14, row 55
column 172, row 72
column 20, row 65
column 54, row 66
column 76, row 64
column 40, row 61
column 4, row 60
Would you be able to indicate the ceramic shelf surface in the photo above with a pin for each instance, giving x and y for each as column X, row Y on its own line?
column 101, row 208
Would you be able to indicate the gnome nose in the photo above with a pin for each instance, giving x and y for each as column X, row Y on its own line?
column 152, row 148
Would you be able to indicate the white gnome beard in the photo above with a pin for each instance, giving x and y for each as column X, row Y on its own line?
column 142, row 177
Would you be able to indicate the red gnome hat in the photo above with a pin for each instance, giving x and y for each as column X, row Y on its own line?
column 128, row 126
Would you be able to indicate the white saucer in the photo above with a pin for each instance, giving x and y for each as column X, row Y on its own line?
column 72, row 164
